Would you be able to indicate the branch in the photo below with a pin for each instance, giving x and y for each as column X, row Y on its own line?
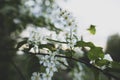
column 57, row 41
column 82, row 61
column 18, row 70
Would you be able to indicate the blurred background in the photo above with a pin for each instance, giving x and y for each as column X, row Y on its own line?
column 15, row 17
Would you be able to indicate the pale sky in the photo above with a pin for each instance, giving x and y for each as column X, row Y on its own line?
column 105, row 14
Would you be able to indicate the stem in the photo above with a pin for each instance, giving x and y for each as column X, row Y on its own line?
column 82, row 61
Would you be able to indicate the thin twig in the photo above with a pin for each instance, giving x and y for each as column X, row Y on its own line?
column 82, row 61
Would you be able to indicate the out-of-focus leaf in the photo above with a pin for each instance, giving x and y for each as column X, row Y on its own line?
column 102, row 62
column 92, row 29
column 95, row 53
column 114, row 68
column 115, row 65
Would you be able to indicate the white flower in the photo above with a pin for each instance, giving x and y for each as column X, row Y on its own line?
column 36, row 49
column 53, row 60
column 16, row 21
column 20, row 52
column 45, row 60
column 70, row 38
column 108, row 57
column 48, row 70
column 36, row 10
column 38, row 35
column 30, row 3
column 47, row 2
column 35, row 76
column 38, row 1
column 78, row 72
column 64, row 61
column 51, row 68
column 78, row 52
column 46, row 76
column 34, row 37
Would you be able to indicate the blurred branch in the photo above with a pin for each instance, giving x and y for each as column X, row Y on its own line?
column 18, row 70
column 82, row 61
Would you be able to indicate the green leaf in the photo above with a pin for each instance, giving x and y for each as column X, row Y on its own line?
column 84, row 44
column 95, row 53
column 102, row 62
column 92, row 29
column 115, row 67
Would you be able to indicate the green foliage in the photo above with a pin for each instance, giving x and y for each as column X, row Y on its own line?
column 92, row 29
column 84, row 44
column 95, row 53
column 116, row 66
column 102, row 62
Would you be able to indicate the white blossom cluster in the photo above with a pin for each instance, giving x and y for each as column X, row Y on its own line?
column 66, row 22
column 51, row 63
column 62, row 19
column 38, row 7
column 69, row 26
column 36, row 76
column 39, row 36
column 47, row 61
column 33, row 6
column 78, row 72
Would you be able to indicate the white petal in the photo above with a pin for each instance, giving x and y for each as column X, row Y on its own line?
column 108, row 57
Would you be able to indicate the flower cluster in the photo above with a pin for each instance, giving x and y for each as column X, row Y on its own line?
column 38, row 8
column 38, row 36
column 66, row 22
column 36, row 76
column 61, row 19
column 78, row 72
column 51, row 63
column 70, row 27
